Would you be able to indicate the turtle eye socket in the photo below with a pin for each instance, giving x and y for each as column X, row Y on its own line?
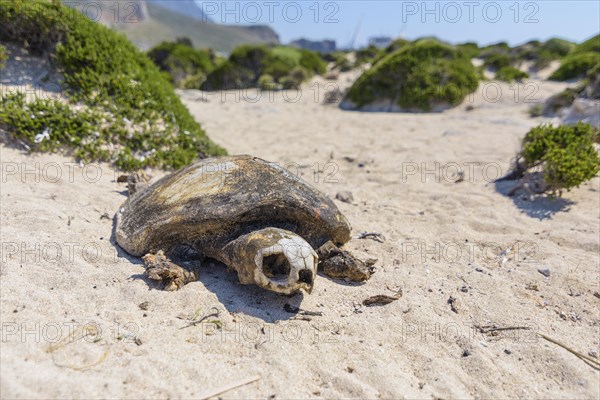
column 276, row 267
column 305, row 276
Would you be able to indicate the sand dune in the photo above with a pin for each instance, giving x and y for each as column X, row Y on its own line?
column 466, row 241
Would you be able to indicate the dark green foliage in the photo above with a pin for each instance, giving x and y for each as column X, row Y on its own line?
column 592, row 44
column 312, row 62
column 391, row 48
column 419, row 76
column 511, row 74
column 558, row 47
column 566, row 154
column 576, row 66
column 3, row 56
column 248, row 63
column 229, row 76
column 187, row 66
column 250, row 57
column 470, row 49
column 367, row 55
column 266, row 82
column 562, row 99
column 497, row 56
column 501, row 55
column 536, row 110
column 110, row 76
column 295, row 78
column 580, row 61
column 498, row 60
column 340, row 61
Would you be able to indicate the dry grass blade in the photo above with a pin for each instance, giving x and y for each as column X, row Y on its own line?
column 228, row 387
column 493, row 328
column 71, row 339
column 588, row 360
column 211, row 312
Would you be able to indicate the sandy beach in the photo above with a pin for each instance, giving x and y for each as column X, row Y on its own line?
column 80, row 320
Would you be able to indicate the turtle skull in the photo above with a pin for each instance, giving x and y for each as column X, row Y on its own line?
column 274, row 259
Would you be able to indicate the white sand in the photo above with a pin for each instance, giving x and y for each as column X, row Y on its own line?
column 411, row 348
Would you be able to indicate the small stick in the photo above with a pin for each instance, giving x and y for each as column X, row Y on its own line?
column 593, row 363
column 378, row 237
column 588, row 360
column 228, row 387
column 487, row 329
column 207, row 314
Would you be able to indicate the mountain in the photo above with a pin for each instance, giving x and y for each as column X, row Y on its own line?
column 150, row 22
column 184, row 7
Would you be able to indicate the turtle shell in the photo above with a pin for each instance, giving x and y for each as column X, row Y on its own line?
column 211, row 202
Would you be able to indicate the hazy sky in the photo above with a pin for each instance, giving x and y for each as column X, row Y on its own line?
column 455, row 21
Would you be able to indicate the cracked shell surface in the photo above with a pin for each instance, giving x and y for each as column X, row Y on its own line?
column 209, row 203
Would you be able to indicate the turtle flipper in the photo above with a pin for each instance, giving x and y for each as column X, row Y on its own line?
column 338, row 263
column 160, row 268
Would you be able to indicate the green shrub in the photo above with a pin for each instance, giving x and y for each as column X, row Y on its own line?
column 295, row 78
column 576, row 66
column 3, row 56
column 526, row 51
column 558, row 47
column 194, row 81
column 312, row 62
column 186, row 65
column 536, row 110
column 590, row 45
column 111, row 77
column 419, row 76
column 580, row 61
column 249, row 57
column 470, row 49
column 340, row 61
column 248, row 63
column 367, row 55
column 511, row 74
column 229, row 76
column 280, row 62
column 566, row 154
column 498, row 61
column 562, row 99
column 391, row 48
column 266, row 82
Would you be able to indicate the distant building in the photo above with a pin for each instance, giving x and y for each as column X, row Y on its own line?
column 380, row 41
column 322, row 46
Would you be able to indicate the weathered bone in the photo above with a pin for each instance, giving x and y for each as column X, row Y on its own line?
column 274, row 259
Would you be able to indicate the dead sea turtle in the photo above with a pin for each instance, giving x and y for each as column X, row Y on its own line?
column 252, row 215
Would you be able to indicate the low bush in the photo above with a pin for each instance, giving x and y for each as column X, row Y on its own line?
column 266, row 82
column 590, row 45
column 110, row 77
column 248, row 63
column 580, row 61
column 498, row 61
column 566, row 154
column 367, row 55
column 396, row 45
column 340, row 61
column 3, row 56
column 187, row 67
column 511, row 74
column 576, row 66
column 419, row 76
column 558, row 47
column 470, row 49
